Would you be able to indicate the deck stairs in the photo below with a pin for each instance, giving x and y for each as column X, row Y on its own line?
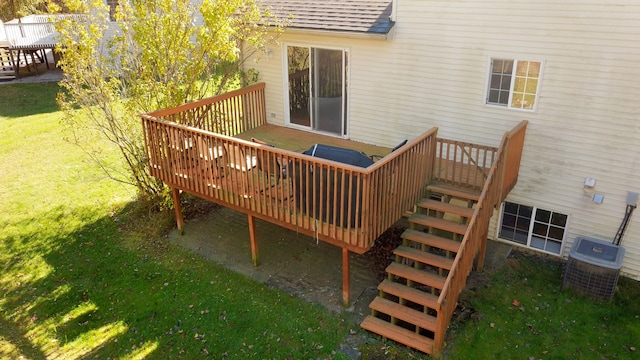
column 406, row 307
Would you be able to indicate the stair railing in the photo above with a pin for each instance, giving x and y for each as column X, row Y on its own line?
column 502, row 175
column 513, row 156
column 463, row 164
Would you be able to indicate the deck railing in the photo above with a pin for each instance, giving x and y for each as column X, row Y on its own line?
column 475, row 238
column 30, row 35
column 36, row 32
column 227, row 114
column 190, row 148
column 463, row 164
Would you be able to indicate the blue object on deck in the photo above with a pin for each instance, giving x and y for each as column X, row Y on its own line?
column 328, row 185
column 345, row 156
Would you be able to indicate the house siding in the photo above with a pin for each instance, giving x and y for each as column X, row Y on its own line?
column 433, row 72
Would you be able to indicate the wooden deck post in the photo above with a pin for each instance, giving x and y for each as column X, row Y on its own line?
column 482, row 252
column 255, row 257
column 176, row 205
column 345, row 277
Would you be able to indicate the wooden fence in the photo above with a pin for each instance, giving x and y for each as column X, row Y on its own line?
column 191, row 148
column 501, row 176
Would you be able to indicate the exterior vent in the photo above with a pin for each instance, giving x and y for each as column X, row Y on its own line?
column 593, row 268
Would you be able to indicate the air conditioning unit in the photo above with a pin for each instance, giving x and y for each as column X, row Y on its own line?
column 593, row 268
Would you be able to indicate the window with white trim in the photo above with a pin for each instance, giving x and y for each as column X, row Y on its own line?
column 514, row 84
column 533, row 227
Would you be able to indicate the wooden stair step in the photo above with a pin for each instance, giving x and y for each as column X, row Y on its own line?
column 416, row 275
column 456, row 192
column 431, row 240
column 433, row 222
column 404, row 313
column 447, row 208
column 398, row 334
column 424, row 257
column 408, row 293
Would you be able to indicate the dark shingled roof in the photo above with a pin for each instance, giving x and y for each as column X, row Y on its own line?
column 358, row 16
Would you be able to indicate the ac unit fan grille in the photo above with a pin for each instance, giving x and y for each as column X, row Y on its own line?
column 591, row 280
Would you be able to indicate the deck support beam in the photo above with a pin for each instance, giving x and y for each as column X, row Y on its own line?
column 175, row 193
column 255, row 256
column 345, row 277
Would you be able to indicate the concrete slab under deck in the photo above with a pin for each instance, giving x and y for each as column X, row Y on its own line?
column 295, row 263
column 291, row 262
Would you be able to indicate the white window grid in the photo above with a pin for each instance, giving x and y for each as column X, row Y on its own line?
column 523, row 86
column 547, row 242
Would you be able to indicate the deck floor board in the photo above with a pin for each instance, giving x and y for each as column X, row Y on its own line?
column 299, row 141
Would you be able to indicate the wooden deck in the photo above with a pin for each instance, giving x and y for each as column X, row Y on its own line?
column 204, row 148
column 299, row 141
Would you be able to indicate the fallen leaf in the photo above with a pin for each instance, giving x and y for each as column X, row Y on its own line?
column 515, row 302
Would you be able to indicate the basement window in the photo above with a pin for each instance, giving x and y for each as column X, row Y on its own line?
column 533, row 227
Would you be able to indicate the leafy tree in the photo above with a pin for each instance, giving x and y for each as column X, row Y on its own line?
column 157, row 54
column 12, row 9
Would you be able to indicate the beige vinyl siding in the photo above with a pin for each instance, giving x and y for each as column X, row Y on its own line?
column 270, row 71
column 586, row 124
column 433, row 72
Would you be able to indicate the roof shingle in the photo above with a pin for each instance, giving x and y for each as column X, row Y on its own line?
column 360, row 16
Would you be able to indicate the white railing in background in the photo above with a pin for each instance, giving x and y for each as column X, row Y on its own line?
column 34, row 32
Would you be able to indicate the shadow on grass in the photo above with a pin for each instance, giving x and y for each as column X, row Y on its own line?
column 20, row 344
column 20, row 100
column 107, row 289
column 87, row 289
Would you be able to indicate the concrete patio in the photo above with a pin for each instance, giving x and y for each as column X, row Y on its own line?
column 294, row 263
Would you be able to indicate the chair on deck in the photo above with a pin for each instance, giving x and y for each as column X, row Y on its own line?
column 239, row 163
column 378, row 157
column 192, row 157
column 208, row 155
column 270, row 165
column 176, row 151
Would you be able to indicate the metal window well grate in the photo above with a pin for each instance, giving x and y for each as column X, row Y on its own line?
column 593, row 268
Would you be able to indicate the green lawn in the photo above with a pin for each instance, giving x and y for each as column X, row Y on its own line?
column 521, row 312
column 85, row 271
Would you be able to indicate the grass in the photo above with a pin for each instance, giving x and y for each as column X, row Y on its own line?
column 85, row 272
column 521, row 312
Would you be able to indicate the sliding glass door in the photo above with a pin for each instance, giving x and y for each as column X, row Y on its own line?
column 317, row 88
